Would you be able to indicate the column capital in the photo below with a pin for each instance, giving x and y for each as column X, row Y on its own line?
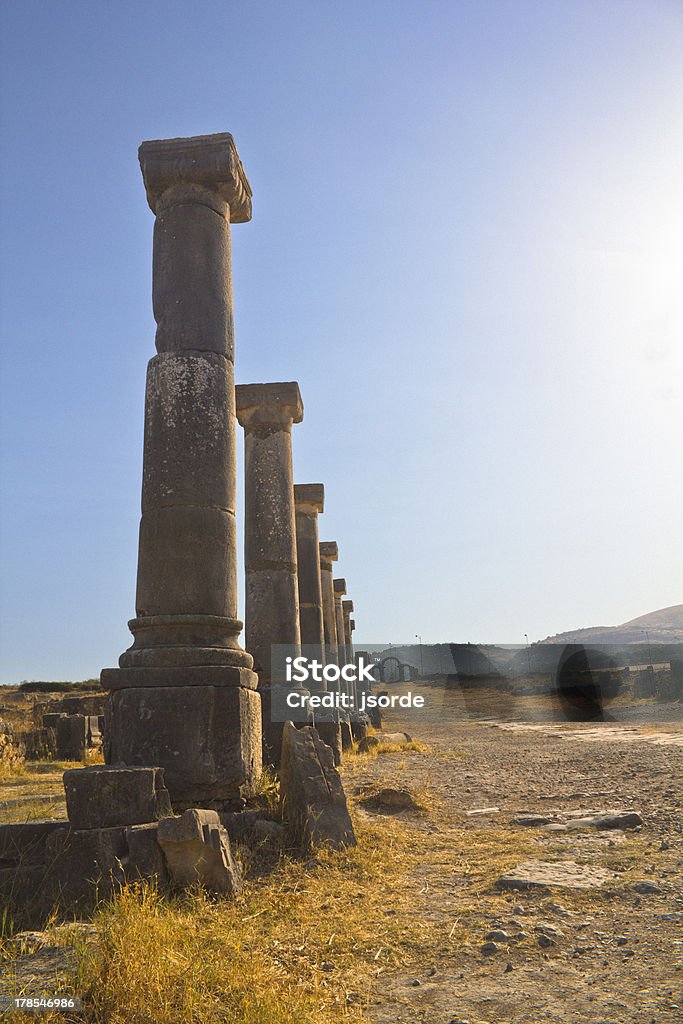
column 268, row 405
column 208, row 162
column 329, row 552
column 339, row 586
column 309, row 497
column 347, row 606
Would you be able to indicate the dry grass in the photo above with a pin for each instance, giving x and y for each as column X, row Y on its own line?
column 410, row 746
column 11, row 769
column 301, row 947
column 305, row 943
column 35, row 790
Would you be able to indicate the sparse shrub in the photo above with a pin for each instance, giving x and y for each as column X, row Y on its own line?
column 11, row 751
column 85, row 685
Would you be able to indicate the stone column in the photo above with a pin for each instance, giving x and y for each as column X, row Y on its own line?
column 267, row 412
column 329, row 553
column 347, row 610
column 184, row 697
column 361, row 721
column 339, row 587
column 309, row 500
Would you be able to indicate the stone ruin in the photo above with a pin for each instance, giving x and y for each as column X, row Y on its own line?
column 68, row 730
column 187, row 725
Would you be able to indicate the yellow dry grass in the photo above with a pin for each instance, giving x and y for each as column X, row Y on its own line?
column 305, row 943
column 300, row 947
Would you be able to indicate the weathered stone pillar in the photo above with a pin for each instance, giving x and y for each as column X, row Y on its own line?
column 184, row 696
column 361, row 720
column 329, row 553
column 309, row 500
column 347, row 609
column 339, row 587
column 267, row 411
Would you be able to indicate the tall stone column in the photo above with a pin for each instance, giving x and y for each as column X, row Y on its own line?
column 309, row 500
column 184, row 697
column 329, row 553
column 347, row 610
column 339, row 588
column 361, row 720
column 267, row 412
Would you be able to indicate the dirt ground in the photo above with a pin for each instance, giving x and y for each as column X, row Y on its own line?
column 611, row 955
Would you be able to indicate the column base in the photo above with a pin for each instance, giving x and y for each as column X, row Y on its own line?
column 192, row 675
column 173, row 641
column 207, row 738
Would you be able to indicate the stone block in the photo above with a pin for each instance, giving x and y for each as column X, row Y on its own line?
column 92, row 705
column 252, row 828
column 206, row 738
column 607, row 819
column 145, row 857
column 104, row 796
column 331, row 734
column 83, row 866
column 346, row 735
column 40, row 744
column 72, row 737
column 563, row 874
column 359, row 728
column 93, row 730
column 311, row 791
column 197, row 851
column 24, row 842
column 20, row 887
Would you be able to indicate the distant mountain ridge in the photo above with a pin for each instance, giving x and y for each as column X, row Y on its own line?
column 660, row 627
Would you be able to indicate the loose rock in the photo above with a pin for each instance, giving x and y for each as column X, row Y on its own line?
column 311, row 791
column 197, row 850
column 391, row 799
column 647, row 888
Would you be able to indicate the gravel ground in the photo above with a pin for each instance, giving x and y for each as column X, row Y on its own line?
column 608, row 955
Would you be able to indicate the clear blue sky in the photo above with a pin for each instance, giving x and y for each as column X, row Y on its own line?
column 467, row 247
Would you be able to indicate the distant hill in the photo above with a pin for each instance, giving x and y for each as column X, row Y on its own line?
column 663, row 627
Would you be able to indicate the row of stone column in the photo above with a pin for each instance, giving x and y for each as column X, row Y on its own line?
column 185, row 696
column 292, row 598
